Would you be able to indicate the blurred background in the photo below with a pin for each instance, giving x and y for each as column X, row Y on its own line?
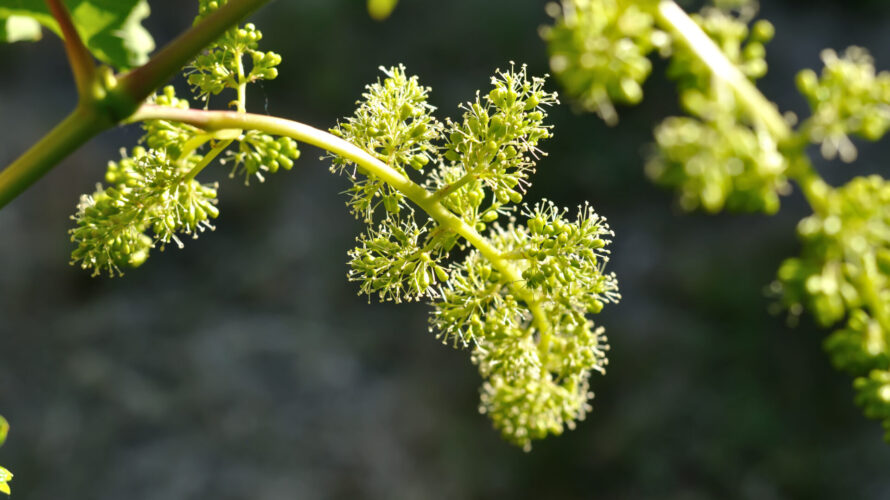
column 246, row 367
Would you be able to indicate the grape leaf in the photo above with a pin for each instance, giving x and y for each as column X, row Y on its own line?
column 111, row 29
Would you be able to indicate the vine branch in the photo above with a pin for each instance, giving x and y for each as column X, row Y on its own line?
column 115, row 99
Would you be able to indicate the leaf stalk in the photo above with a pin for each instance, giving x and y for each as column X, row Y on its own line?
column 82, row 64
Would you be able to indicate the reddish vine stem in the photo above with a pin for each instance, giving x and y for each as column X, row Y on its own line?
column 82, row 65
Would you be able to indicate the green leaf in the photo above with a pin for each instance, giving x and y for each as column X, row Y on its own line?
column 110, row 29
column 18, row 29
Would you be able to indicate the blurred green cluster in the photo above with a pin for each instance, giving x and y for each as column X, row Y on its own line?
column 741, row 45
column 521, row 297
column 719, row 157
column 716, row 161
column 599, row 51
column 734, row 151
column 844, row 271
column 847, row 99
column 873, row 394
column 381, row 9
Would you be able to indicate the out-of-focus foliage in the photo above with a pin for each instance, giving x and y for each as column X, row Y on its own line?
column 717, row 161
column 720, row 156
column 728, row 155
column 844, row 272
column 19, row 29
column 599, row 51
column 111, row 30
column 847, row 99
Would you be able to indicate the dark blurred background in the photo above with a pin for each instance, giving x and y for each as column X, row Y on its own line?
column 245, row 366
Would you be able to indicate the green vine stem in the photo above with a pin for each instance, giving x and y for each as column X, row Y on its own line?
column 112, row 99
column 674, row 19
column 225, row 120
column 77, row 128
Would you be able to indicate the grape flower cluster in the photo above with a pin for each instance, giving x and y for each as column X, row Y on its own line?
column 848, row 98
column 844, row 273
column 151, row 197
column 726, row 153
column 520, row 297
column 222, row 66
column 515, row 284
column 717, row 157
column 599, row 51
column 720, row 156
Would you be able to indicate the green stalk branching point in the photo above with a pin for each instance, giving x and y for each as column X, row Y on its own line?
column 107, row 100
